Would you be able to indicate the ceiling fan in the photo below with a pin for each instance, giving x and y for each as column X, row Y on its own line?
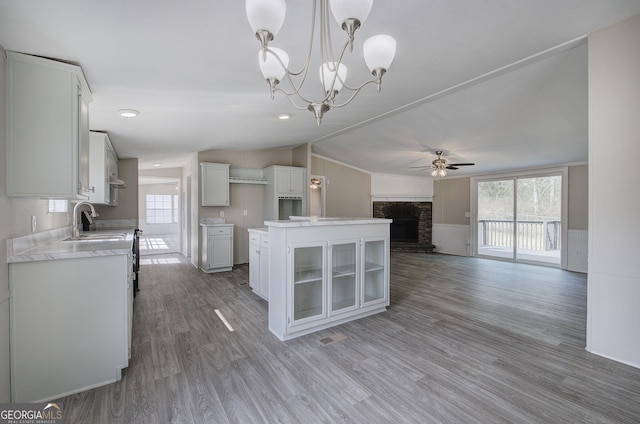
column 440, row 165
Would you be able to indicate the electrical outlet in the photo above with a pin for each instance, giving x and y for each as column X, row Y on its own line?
column 221, row 214
column 33, row 223
column 245, row 212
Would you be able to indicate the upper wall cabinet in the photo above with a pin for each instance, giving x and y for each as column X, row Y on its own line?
column 289, row 180
column 214, row 180
column 103, row 170
column 47, row 113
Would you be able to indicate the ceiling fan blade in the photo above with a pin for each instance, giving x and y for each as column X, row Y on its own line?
column 420, row 167
column 461, row 164
column 451, row 167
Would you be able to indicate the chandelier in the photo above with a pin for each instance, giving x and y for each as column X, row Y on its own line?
column 266, row 18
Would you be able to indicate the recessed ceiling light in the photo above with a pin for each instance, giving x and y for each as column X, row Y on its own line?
column 284, row 116
column 128, row 113
column 157, row 164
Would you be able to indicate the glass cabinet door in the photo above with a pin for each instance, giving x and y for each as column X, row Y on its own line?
column 343, row 293
column 308, row 283
column 374, row 287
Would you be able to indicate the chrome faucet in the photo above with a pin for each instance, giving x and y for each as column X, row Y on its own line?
column 75, row 232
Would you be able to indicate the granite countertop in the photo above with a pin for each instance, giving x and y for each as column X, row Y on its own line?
column 299, row 221
column 56, row 245
column 262, row 230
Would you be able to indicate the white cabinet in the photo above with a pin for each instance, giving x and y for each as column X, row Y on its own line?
column 308, row 290
column 259, row 262
column 103, row 167
column 343, row 278
column 217, row 247
column 290, row 180
column 70, row 325
column 375, row 289
column 47, row 112
column 326, row 272
column 214, row 181
column 285, row 192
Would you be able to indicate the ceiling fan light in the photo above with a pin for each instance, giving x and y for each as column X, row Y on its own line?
column 350, row 9
column 267, row 15
column 438, row 172
column 270, row 66
column 327, row 74
column 379, row 51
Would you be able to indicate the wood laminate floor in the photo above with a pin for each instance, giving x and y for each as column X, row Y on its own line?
column 465, row 340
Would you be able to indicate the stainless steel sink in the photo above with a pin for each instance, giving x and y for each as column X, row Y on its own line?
column 99, row 237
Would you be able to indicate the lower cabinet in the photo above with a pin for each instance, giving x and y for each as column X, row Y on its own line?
column 70, row 325
column 217, row 247
column 326, row 282
column 335, row 279
column 259, row 263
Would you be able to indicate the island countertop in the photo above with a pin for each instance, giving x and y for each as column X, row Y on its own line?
column 324, row 221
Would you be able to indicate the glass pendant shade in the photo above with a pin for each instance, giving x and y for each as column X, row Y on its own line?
column 271, row 67
column 329, row 70
column 346, row 9
column 379, row 51
column 266, row 14
column 438, row 172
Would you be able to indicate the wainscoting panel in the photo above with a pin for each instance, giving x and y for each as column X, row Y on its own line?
column 577, row 250
column 452, row 239
column 5, row 363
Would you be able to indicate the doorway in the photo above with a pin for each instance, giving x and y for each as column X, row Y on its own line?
column 317, row 195
column 521, row 218
column 159, row 212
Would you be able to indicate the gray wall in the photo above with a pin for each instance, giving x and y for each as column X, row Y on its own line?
column 578, row 197
column 242, row 196
column 348, row 191
column 452, row 199
column 127, row 197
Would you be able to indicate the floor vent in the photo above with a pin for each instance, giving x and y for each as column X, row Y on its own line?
column 332, row 339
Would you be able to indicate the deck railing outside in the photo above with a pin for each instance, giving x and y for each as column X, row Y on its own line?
column 532, row 235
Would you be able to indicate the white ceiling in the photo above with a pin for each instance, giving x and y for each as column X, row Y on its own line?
column 502, row 83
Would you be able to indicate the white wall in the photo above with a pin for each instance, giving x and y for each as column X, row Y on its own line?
column 400, row 188
column 613, row 311
column 5, row 228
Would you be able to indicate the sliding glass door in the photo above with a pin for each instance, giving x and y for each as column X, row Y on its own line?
column 495, row 218
column 520, row 218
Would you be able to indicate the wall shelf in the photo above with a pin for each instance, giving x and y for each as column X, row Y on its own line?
column 246, row 176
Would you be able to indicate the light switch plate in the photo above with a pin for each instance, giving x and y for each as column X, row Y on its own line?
column 33, row 223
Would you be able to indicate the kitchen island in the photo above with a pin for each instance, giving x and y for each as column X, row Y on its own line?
column 326, row 271
column 71, row 311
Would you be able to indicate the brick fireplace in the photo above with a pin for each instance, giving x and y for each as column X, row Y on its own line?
column 411, row 227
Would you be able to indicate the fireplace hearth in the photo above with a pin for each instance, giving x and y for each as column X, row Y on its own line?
column 411, row 227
